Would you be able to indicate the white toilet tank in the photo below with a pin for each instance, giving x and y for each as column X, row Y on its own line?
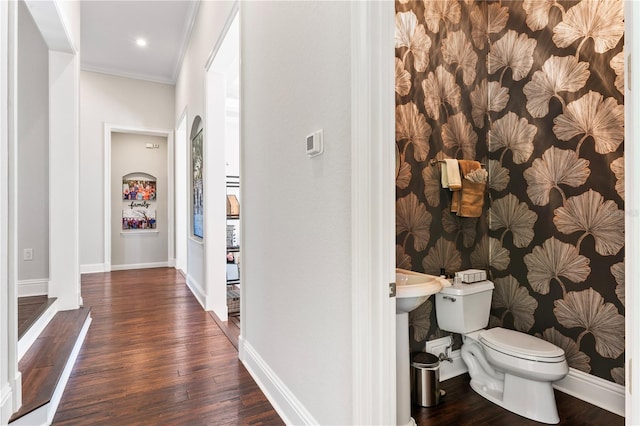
column 463, row 308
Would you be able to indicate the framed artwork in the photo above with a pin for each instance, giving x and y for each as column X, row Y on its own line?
column 139, row 187
column 197, row 197
column 139, row 216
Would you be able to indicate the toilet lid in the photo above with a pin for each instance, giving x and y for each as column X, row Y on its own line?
column 521, row 345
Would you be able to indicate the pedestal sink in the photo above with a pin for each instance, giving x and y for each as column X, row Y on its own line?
column 412, row 290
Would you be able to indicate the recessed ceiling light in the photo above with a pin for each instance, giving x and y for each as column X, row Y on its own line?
column 141, row 42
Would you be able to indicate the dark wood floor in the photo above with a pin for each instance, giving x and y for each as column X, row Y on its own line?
column 462, row 406
column 230, row 328
column 153, row 356
column 43, row 364
column 29, row 309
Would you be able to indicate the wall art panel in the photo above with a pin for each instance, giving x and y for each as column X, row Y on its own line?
column 534, row 91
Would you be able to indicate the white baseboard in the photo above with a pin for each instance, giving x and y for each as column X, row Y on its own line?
column 602, row 393
column 197, row 291
column 92, row 268
column 288, row 407
column 28, row 288
column 8, row 394
column 34, row 331
column 44, row 415
column 139, row 266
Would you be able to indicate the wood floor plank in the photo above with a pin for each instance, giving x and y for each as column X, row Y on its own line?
column 153, row 356
column 29, row 310
column 463, row 406
column 43, row 364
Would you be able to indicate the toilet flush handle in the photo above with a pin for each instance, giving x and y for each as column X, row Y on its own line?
column 453, row 299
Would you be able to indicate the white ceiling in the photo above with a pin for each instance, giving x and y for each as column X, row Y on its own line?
column 109, row 29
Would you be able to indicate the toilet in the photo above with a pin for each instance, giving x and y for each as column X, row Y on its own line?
column 511, row 369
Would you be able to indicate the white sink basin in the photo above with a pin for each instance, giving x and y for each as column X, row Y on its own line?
column 414, row 288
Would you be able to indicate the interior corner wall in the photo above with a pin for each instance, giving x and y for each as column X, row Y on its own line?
column 33, row 149
column 190, row 96
column 122, row 102
column 296, row 242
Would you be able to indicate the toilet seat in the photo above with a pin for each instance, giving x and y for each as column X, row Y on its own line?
column 521, row 345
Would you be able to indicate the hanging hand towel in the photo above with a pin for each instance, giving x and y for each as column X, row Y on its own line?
column 471, row 197
column 453, row 175
column 444, row 180
column 468, row 202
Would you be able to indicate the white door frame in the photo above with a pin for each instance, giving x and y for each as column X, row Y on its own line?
column 10, row 377
column 215, row 247
column 181, row 256
column 632, row 215
column 373, row 212
column 111, row 128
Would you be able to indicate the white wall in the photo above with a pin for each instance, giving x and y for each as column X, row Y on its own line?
column 130, row 155
column 190, row 96
column 122, row 102
column 33, row 149
column 296, row 243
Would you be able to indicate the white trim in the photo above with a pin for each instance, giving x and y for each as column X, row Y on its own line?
column 130, row 266
column 171, row 200
column 230, row 18
column 288, row 407
column 214, row 174
column 51, row 23
column 13, row 375
column 36, row 328
column 181, row 240
column 594, row 390
column 196, row 290
column 373, row 212
column 123, row 74
column 6, row 403
column 6, row 390
column 92, row 268
column 192, row 13
column 113, row 128
column 44, row 415
column 196, row 240
column 632, row 208
column 28, row 288
column 140, row 232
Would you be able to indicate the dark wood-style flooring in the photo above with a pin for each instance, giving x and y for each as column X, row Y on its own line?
column 153, row 356
column 462, row 406
column 43, row 364
column 230, row 328
column 29, row 309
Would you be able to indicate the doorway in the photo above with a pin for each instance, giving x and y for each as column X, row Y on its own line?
column 222, row 174
column 139, row 220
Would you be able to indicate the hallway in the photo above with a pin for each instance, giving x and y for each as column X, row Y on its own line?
column 154, row 356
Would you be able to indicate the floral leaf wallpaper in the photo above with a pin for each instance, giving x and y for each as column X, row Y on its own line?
column 534, row 90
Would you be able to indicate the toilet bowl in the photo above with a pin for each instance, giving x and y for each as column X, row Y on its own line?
column 511, row 369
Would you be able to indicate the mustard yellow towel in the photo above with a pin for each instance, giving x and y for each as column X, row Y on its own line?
column 468, row 202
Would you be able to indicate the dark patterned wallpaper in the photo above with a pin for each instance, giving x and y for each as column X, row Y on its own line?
column 533, row 90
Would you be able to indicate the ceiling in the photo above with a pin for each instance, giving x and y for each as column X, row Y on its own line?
column 109, row 30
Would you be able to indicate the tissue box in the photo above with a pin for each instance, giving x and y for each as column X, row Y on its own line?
column 472, row 275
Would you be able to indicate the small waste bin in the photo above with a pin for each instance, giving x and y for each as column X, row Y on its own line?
column 425, row 379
